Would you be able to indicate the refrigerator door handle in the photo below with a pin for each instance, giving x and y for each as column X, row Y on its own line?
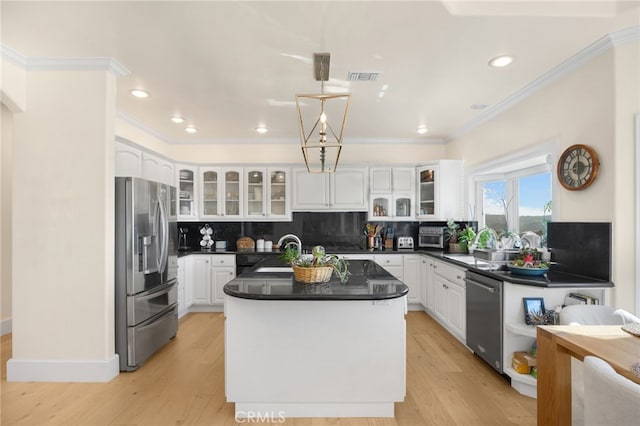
column 164, row 223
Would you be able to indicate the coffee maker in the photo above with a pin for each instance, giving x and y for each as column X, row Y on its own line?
column 183, row 244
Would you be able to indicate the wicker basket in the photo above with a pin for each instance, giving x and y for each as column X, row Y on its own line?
column 312, row 275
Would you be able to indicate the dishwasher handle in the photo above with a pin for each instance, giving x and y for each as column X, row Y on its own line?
column 484, row 286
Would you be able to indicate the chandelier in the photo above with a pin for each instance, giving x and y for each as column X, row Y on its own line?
column 320, row 143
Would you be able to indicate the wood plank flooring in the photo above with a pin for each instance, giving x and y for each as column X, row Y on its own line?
column 184, row 385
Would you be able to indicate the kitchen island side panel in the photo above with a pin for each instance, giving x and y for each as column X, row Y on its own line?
column 315, row 351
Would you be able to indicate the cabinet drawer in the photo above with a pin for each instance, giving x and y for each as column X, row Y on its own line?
column 223, row 260
column 451, row 273
column 385, row 260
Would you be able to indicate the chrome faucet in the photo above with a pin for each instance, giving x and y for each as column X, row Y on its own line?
column 492, row 243
column 295, row 241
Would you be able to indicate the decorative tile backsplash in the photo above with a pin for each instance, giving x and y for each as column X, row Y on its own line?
column 337, row 229
column 582, row 248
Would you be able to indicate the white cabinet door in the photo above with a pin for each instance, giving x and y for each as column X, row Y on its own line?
column 219, row 277
column 201, row 280
column 279, row 193
column 403, row 180
column 128, row 160
column 255, row 190
column 430, row 291
column 349, row 190
column 411, row 276
column 157, row 169
column 440, row 190
column 456, row 301
column 424, row 274
column 440, row 305
column 187, row 186
column 188, row 281
column 380, row 179
column 392, row 263
column 182, row 309
column 310, row 190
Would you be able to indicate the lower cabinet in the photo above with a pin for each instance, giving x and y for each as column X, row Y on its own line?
column 185, row 285
column 209, row 275
column 449, row 298
column 412, row 266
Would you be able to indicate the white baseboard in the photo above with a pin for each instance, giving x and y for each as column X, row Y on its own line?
column 5, row 326
column 38, row 370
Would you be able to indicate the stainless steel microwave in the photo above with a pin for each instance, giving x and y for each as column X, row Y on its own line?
column 431, row 236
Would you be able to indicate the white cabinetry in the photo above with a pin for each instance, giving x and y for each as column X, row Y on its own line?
column 128, row 160
column 157, row 169
column 392, row 263
column 187, row 179
column 412, row 266
column 185, row 285
column 449, row 298
column 440, row 190
column 392, row 193
column 344, row 190
column 221, row 193
column 210, row 274
column 134, row 162
column 267, row 193
column 517, row 336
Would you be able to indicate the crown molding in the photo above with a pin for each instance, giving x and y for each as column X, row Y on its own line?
column 64, row 64
column 627, row 35
column 140, row 126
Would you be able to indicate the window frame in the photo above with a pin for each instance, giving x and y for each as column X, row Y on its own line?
column 539, row 158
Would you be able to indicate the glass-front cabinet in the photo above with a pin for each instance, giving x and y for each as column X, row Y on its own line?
column 232, row 194
column 427, row 191
column 392, row 193
column 279, row 194
column 221, row 193
column 256, row 189
column 440, row 190
column 210, row 200
column 267, row 193
column 187, row 192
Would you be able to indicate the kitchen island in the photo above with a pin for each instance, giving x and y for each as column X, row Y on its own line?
column 319, row 350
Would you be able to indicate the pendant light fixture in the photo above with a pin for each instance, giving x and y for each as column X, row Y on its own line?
column 321, row 144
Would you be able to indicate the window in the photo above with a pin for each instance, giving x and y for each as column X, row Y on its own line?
column 514, row 194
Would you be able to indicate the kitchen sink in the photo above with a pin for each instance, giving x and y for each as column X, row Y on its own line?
column 274, row 269
column 470, row 260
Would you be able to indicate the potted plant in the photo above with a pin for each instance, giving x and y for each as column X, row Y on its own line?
column 465, row 238
column 452, row 233
column 317, row 267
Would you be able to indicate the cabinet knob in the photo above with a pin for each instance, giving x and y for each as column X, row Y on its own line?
column 458, row 277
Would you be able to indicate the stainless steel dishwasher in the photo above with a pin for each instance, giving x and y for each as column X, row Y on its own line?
column 484, row 318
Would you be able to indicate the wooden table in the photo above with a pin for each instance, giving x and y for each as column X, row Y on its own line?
column 556, row 346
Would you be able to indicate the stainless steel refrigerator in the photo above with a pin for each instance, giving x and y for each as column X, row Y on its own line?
column 146, row 259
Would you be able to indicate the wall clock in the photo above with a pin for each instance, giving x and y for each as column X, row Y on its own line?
column 578, row 167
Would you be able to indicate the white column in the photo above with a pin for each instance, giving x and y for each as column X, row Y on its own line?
column 63, row 242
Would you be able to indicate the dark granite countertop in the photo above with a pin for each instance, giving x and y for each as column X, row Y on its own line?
column 368, row 281
column 554, row 278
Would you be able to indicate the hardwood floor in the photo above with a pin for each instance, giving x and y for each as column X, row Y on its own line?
column 184, row 385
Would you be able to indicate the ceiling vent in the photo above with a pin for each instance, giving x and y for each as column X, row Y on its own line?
column 363, row 76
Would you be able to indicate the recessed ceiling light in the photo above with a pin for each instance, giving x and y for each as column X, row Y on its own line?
column 478, row 106
column 261, row 129
column 422, row 130
column 190, row 129
column 501, row 61
column 139, row 93
column 177, row 119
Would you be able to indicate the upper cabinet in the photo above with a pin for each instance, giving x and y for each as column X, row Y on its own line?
column 187, row 176
column 440, row 190
column 134, row 162
column 343, row 190
column 392, row 193
column 221, row 193
column 267, row 193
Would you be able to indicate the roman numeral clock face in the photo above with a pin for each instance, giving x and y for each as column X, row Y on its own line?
column 578, row 167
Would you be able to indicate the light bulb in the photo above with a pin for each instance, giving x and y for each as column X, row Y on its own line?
column 323, row 118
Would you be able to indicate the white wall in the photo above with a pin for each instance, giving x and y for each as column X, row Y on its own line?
column 593, row 105
column 63, row 227
column 5, row 220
